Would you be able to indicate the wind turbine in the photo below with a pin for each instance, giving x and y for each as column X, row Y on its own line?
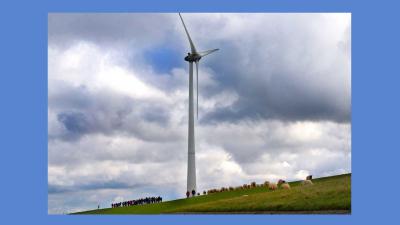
column 193, row 56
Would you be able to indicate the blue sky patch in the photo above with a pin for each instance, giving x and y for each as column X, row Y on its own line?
column 164, row 59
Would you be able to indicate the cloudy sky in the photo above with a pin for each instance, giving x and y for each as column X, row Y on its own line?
column 274, row 102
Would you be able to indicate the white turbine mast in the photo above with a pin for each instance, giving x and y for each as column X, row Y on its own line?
column 193, row 56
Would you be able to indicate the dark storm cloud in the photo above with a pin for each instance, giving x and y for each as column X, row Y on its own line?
column 109, row 29
column 156, row 114
column 76, row 123
column 106, row 112
column 85, row 112
column 283, row 77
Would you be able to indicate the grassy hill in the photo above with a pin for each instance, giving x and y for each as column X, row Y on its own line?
column 327, row 195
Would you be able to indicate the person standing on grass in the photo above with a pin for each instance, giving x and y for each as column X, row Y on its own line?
column 193, row 193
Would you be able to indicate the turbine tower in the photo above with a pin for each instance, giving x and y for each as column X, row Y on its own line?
column 195, row 57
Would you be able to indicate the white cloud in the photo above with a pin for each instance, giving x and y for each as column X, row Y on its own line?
column 85, row 64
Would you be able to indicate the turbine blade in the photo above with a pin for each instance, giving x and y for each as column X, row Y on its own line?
column 187, row 33
column 202, row 54
column 197, row 88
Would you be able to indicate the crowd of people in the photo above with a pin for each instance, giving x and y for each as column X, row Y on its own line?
column 141, row 201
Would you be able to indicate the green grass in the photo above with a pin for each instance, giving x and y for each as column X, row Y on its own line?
column 327, row 195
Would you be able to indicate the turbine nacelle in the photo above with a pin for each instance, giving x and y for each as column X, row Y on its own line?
column 193, row 57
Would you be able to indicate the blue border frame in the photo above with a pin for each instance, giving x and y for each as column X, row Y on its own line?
column 375, row 111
